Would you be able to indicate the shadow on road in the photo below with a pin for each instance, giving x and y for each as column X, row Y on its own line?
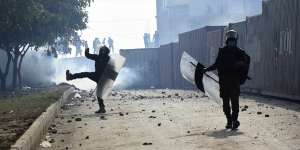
column 221, row 134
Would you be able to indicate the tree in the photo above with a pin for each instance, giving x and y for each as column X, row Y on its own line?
column 30, row 24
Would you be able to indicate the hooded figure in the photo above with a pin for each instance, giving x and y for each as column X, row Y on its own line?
column 232, row 64
column 101, row 62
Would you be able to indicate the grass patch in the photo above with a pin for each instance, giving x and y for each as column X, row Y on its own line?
column 18, row 113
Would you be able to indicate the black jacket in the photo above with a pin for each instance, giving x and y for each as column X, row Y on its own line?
column 232, row 64
column 101, row 62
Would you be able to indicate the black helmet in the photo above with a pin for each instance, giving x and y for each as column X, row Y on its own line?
column 232, row 35
column 104, row 50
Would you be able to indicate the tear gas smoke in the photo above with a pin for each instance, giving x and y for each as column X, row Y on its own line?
column 127, row 78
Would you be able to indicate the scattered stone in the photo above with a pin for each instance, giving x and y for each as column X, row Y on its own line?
column 169, row 96
column 80, row 144
column 52, row 130
column 87, row 137
column 164, row 103
column 69, row 121
column 266, row 115
column 62, row 140
column 78, row 119
column 153, row 111
column 102, row 117
column 146, row 143
column 244, row 109
column 181, row 99
column 143, row 110
column 121, row 114
column 159, row 124
column 163, row 92
column 259, row 113
column 52, row 141
column 188, row 132
column 45, row 144
column 67, row 147
column 171, row 120
column 127, row 113
column 176, row 94
column 77, row 95
column 85, row 124
column 111, row 109
column 152, row 116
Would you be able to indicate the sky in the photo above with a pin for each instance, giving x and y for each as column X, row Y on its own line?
column 125, row 21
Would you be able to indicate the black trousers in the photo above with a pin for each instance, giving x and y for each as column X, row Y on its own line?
column 93, row 76
column 230, row 94
column 234, row 101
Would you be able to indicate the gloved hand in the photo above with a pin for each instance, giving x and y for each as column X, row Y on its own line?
column 204, row 70
column 87, row 50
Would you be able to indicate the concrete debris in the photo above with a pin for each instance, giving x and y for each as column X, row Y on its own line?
column 146, row 143
column 45, row 144
column 77, row 96
column 78, row 119
column 52, row 141
column 152, row 117
column 52, row 130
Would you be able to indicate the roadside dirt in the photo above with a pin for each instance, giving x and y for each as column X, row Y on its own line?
column 177, row 120
column 18, row 112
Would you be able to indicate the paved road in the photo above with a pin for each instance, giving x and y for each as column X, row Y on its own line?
column 177, row 120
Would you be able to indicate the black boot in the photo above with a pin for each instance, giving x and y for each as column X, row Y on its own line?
column 101, row 106
column 235, row 122
column 229, row 122
column 235, row 125
column 68, row 75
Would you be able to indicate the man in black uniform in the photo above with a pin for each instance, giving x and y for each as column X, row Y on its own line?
column 232, row 65
column 101, row 62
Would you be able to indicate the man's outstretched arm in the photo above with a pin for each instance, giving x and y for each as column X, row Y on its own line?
column 90, row 56
column 215, row 65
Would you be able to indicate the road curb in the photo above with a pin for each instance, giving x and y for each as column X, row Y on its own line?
column 31, row 138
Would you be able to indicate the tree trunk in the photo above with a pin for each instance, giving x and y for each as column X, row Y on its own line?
column 19, row 72
column 3, row 75
column 3, row 83
column 15, row 71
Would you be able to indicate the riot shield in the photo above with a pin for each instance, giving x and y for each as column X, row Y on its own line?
column 189, row 68
column 208, row 82
column 110, row 74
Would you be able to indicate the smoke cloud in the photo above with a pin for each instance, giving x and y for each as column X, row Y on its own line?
column 127, row 78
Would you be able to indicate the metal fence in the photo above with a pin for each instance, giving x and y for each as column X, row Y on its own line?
column 271, row 39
